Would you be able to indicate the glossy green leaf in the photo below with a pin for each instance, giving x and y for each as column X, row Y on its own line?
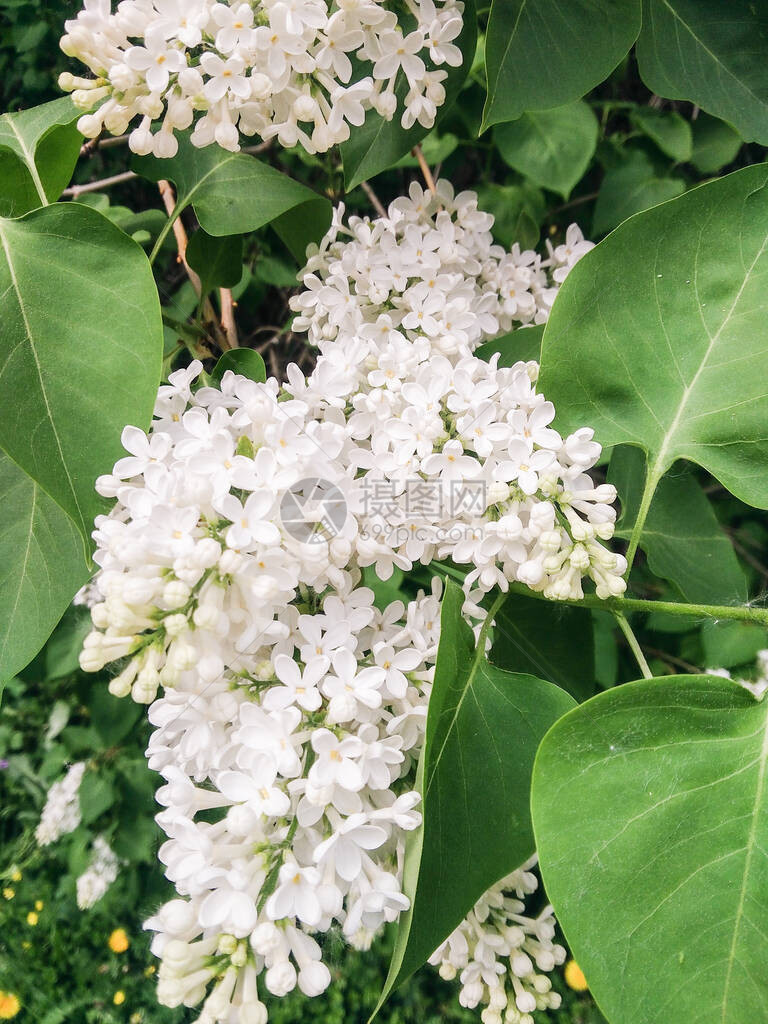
column 657, row 337
column 378, row 144
column 80, row 349
column 218, row 261
column 650, row 807
column 682, row 538
column 552, row 148
column 712, row 53
column 483, row 728
column 541, row 54
column 42, row 564
column 715, row 143
column 517, row 211
column 244, row 361
column 632, row 186
column 523, row 343
column 38, row 152
column 232, row 193
column 547, row 639
column 668, row 129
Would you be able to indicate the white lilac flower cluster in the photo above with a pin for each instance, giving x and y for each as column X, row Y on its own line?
column 495, row 930
column 101, row 872
column 454, row 457
column 61, row 813
column 273, row 68
column 293, row 709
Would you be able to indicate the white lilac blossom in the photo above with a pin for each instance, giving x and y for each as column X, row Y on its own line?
column 498, row 951
column 454, row 457
column 272, row 68
column 101, row 872
column 293, row 709
column 61, row 813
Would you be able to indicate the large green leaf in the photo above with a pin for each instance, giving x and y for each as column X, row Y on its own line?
column 551, row 147
column 630, row 187
column 712, row 53
column 545, row 53
column 551, row 640
column 657, row 337
column 41, row 567
column 650, row 807
column 80, row 349
column 232, row 193
column 682, row 538
column 483, row 728
column 38, row 152
column 378, row 144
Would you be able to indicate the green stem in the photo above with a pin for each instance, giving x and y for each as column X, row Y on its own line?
column 163, row 235
column 740, row 613
column 626, row 629
column 651, row 483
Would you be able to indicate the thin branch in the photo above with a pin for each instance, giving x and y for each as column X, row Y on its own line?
column 179, row 232
column 574, row 202
column 672, row 659
column 430, row 181
column 96, row 186
column 261, row 147
column 169, row 202
column 89, row 148
column 228, row 317
column 373, row 199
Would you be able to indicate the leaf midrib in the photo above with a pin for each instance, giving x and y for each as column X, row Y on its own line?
column 709, row 52
column 29, row 160
column 659, row 466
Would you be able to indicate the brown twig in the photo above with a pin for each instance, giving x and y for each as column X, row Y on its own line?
column 671, row 659
column 373, row 199
column 228, row 316
column 96, row 186
column 89, row 148
column 179, row 232
column 430, row 181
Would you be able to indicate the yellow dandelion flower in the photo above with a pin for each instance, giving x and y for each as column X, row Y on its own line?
column 119, row 997
column 574, row 977
column 118, row 941
column 26, row 945
column 16, row 875
column 39, row 904
column 149, row 971
column 8, row 893
column 32, row 918
column 9, row 1005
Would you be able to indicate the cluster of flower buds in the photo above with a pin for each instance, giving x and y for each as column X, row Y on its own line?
column 272, row 68
column 101, row 872
column 496, row 930
column 231, row 576
column 61, row 813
